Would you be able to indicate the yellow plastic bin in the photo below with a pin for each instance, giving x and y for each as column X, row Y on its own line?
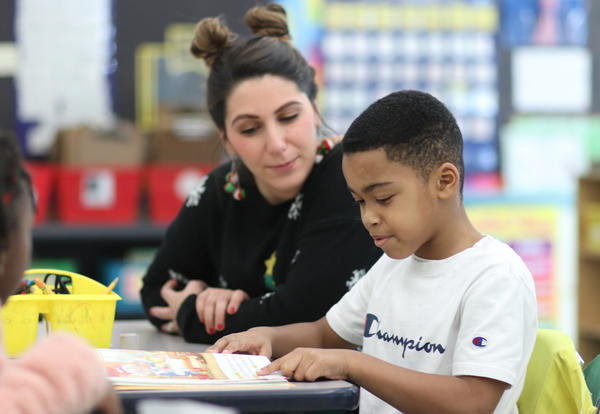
column 87, row 311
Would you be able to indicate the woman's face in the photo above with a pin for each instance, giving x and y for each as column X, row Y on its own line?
column 271, row 125
column 15, row 259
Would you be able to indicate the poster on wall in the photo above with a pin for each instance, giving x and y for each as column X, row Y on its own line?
column 366, row 49
column 64, row 68
column 532, row 232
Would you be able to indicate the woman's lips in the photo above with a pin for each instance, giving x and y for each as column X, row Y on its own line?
column 285, row 166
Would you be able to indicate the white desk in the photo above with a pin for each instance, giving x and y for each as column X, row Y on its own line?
column 303, row 396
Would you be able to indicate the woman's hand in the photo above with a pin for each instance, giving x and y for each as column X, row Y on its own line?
column 213, row 303
column 174, row 299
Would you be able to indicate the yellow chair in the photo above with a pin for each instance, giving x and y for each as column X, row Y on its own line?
column 554, row 382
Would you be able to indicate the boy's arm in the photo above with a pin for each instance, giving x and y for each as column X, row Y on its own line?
column 279, row 340
column 416, row 392
column 407, row 390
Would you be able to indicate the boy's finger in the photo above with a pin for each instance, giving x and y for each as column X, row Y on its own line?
column 217, row 346
column 269, row 369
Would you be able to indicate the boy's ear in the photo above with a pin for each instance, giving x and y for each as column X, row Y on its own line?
column 228, row 147
column 447, row 180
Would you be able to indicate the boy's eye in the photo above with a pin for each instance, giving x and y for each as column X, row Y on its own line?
column 384, row 200
column 359, row 202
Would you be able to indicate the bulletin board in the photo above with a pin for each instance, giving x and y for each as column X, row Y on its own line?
column 543, row 235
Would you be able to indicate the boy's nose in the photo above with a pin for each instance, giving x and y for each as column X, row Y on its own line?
column 369, row 218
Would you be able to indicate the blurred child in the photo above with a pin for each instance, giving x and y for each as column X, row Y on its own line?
column 60, row 374
column 447, row 318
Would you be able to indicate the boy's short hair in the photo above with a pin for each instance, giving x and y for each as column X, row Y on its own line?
column 413, row 128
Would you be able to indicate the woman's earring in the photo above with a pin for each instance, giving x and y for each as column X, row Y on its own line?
column 232, row 183
column 324, row 147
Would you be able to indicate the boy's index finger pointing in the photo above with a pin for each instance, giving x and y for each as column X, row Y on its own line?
column 269, row 369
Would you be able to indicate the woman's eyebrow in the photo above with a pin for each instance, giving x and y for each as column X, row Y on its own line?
column 251, row 116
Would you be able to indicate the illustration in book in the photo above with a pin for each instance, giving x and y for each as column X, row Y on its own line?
column 138, row 367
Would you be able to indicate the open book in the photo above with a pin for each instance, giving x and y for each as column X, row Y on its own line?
column 177, row 369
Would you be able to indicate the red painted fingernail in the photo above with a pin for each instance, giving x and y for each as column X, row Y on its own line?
column 201, row 320
column 231, row 309
column 220, row 327
column 211, row 331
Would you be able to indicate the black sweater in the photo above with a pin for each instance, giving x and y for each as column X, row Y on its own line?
column 320, row 246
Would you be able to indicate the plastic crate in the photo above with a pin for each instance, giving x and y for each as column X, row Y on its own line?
column 88, row 312
column 98, row 195
column 168, row 187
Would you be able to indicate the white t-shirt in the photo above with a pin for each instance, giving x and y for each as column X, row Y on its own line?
column 474, row 313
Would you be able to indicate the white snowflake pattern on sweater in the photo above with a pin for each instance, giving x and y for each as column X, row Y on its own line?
column 196, row 193
column 296, row 207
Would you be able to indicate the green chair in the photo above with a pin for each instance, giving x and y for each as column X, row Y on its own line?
column 554, row 382
column 591, row 372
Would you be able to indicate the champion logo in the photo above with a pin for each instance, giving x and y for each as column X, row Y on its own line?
column 479, row 341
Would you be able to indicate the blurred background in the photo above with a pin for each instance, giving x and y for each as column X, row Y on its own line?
column 109, row 108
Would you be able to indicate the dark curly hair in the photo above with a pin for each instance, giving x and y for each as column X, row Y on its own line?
column 14, row 182
column 413, row 128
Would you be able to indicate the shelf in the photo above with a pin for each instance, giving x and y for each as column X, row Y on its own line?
column 589, row 270
column 587, row 254
column 56, row 233
column 589, row 331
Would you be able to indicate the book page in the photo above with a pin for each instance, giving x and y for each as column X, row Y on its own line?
column 169, row 368
column 243, row 366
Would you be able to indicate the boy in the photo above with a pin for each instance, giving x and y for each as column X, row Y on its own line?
column 447, row 318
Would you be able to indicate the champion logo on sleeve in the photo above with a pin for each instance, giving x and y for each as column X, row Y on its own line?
column 479, row 341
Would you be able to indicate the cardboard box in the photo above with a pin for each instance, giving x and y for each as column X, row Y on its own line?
column 185, row 136
column 85, row 145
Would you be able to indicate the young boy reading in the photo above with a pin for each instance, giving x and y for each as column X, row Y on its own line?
column 447, row 317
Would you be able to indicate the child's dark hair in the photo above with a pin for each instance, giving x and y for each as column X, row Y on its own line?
column 14, row 181
column 413, row 128
column 233, row 59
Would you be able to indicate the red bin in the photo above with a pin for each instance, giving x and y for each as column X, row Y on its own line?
column 168, row 187
column 98, row 194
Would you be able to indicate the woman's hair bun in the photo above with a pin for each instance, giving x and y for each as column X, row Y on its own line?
column 269, row 20
column 211, row 37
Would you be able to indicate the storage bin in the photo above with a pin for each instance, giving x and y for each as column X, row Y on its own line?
column 98, row 195
column 87, row 311
column 168, row 187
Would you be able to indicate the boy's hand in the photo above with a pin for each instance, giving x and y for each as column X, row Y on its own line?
column 308, row 364
column 213, row 303
column 174, row 299
column 255, row 341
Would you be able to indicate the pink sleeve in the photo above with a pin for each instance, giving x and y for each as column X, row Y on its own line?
column 61, row 374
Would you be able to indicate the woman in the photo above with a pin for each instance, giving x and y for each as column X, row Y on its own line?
column 273, row 236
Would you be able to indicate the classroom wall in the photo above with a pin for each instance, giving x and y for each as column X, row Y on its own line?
column 135, row 23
